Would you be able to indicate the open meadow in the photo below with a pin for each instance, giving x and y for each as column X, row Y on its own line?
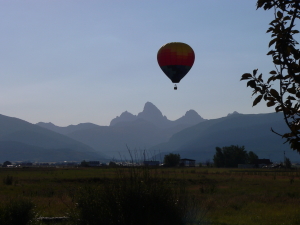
column 225, row 196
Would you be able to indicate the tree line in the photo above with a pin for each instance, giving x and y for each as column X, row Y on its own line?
column 231, row 156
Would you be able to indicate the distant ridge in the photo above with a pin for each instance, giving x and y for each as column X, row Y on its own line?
column 68, row 129
column 249, row 130
column 150, row 130
column 141, row 131
column 232, row 114
column 21, row 140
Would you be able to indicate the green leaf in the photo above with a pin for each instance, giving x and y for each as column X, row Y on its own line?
column 272, row 42
column 271, row 52
column 257, row 100
column 272, row 99
column 286, row 135
column 279, row 14
column 260, row 3
column 269, row 104
column 277, row 62
column 291, row 98
column 246, row 76
column 278, row 108
column 271, row 79
column 251, row 83
column 274, row 93
column 270, row 29
column 273, row 72
column 292, row 90
column 254, row 72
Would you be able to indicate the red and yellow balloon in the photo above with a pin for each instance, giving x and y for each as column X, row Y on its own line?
column 175, row 59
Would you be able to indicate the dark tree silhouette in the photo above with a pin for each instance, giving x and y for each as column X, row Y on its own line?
column 287, row 163
column 171, row 160
column 252, row 158
column 230, row 156
column 6, row 163
column 286, row 59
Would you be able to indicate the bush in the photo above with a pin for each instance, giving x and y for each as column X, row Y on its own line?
column 17, row 212
column 171, row 160
column 288, row 163
column 134, row 198
column 8, row 180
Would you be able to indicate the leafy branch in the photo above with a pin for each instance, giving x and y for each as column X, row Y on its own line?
column 286, row 60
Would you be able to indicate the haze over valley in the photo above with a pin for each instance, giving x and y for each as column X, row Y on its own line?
column 191, row 136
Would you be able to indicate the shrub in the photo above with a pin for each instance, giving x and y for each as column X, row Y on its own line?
column 171, row 160
column 287, row 163
column 17, row 212
column 8, row 180
column 135, row 198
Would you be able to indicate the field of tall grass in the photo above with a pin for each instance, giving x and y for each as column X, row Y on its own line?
column 191, row 195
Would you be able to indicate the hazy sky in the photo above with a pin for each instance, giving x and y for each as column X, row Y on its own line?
column 75, row 61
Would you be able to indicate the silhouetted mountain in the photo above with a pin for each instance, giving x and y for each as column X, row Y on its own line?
column 17, row 151
column 252, row 131
column 16, row 134
column 152, row 114
column 232, row 114
column 137, row 134
column 146, row 129
column 185, row 135
column 124, row 117
column 191, row 117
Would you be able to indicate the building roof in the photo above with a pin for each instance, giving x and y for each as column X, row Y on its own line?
column 187, row 159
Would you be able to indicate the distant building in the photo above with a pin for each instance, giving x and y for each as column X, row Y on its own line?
column 187, row 162
column 94, row 163
column 151, row 163
column 262, row 162
column 259, row 163
column 246, row 166
column 25, row 164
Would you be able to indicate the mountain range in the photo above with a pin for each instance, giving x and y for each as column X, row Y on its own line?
column 153, row 115
column 23, row 141
column 252, row 131
column 140, row 132
column 148, row 132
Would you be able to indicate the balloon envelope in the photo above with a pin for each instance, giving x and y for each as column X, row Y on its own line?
column 175, row 59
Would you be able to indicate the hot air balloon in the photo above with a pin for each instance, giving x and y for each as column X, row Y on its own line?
column 175, row 59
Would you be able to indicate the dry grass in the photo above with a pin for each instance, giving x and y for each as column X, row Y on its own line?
column 230, row 196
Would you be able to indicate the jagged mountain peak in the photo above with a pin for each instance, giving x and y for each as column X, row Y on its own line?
column 191, row 117
column 150, row 110
column 124, row 117
column 126, row 114
column 192, row 112
column 234, row 113
column 152, row 114
column 44, row 124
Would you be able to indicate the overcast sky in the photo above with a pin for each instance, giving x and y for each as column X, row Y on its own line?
column 75, row 61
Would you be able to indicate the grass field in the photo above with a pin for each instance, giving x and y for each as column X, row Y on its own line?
column 227, row 196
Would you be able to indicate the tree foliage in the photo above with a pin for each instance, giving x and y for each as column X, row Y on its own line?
column 84, row 164
column 286, row 60
column 171, row 160
column 6, row 163
column 233, row 155
column 287, row 163
column 252, row 158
